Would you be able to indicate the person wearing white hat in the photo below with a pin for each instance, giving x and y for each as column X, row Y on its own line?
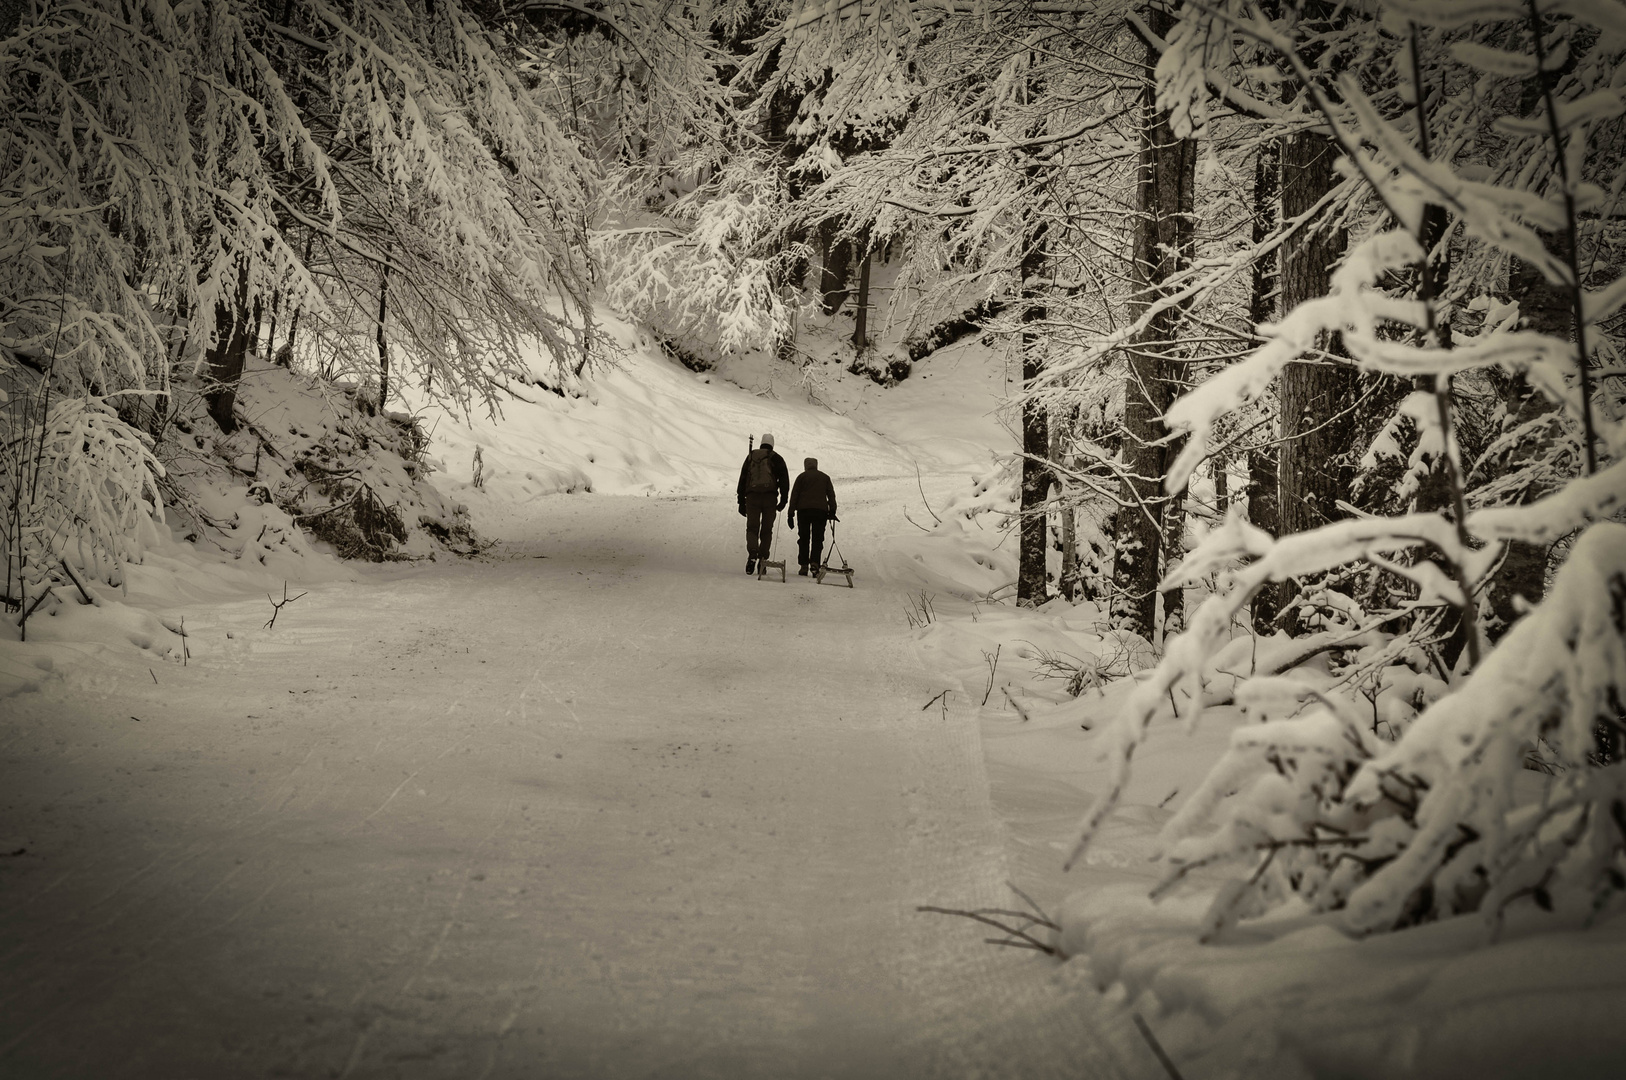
column 763, row 488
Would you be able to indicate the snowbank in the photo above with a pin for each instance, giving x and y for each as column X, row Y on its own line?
column 646, row 426
column 1289, row 995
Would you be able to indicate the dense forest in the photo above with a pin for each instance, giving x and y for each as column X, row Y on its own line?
column 1318, row 309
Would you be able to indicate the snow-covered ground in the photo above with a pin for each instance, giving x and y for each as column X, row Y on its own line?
column 598, row 804
column 595, row 804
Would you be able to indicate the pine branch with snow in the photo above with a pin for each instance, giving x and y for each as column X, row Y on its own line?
column 1413, row 808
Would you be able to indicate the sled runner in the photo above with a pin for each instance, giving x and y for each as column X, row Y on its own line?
column 826, row 568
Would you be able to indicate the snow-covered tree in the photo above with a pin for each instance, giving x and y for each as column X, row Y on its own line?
column 174, row 176
column 998, row 145
column 1385, row 789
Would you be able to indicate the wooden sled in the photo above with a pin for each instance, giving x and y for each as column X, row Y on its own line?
column 764, row 565
column 826, row 568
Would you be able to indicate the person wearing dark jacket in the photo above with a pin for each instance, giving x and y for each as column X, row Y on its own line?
column 814, row 499
column 763, row 487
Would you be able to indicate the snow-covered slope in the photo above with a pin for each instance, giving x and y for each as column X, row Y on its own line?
column 651, row 426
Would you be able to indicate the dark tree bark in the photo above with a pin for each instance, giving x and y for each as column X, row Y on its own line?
column 1267, row 169
column 225, row 358
column 1164, row 190
column 861, row 304
column 1174, row 534
column 835, row 268
column 1263, row 514
column 1315, row 464
column 1315, row 467
column 1031, row 585
column 1261, row 489
column 383, row 342
column 1070, row 582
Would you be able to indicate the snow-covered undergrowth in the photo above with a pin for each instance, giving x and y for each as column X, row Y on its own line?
column 350, row 476
column 1286, row 988
column 312, row 472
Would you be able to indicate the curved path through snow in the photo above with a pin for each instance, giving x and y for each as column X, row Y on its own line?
column 621, row 811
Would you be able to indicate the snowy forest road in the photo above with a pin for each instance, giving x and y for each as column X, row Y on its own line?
column 601, row 807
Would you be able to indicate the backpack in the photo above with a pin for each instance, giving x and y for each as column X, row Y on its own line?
column 759, row 470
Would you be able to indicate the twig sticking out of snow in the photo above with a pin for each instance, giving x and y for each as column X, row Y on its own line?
column 992, row 660
column 1157, row 1048
column 1015, row 936
column 1023, row 713
column 277, row 605
column 922, row 489
column 920, row 613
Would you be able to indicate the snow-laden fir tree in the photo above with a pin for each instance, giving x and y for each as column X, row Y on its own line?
column 1392, row 786
column 181, row 184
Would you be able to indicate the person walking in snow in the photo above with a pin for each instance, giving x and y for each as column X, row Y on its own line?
column 763, row 487
column 814, row 500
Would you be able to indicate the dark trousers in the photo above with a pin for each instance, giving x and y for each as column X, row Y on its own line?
column 759, row 521
column 810, row 537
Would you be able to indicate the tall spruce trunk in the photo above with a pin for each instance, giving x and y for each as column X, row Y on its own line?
column 1174, row 535
column 1261, row 489
column 1267, row 175
column 383, row 341
column 1164, row 197
column 1069, row 581
column 861, row 304
column 834, row 267
column 225, row 358
column 1031, row 585
column 1315, row 462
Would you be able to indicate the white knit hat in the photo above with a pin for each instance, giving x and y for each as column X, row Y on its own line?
column 767, row 438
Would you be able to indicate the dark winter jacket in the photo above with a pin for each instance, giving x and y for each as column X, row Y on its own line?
column 813, row 491
column 775, row 495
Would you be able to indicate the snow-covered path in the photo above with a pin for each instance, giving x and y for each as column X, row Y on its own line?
column 621, row 811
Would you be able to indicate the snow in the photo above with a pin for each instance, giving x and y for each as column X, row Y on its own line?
column 595, row 803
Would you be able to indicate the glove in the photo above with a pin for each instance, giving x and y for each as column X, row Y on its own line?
column 790, row 519
column 782, row 505
column 834, row 518
column 742, row 509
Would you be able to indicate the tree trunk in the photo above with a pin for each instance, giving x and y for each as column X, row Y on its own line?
column 1031, row 585
column 1070, row 580
column 1263, row 515
column 383, row 342
column 1222, row 486
column 1174, row 534
column 836, row 265
column 861, row 305
column 225, row 358
column 1267, row 172
column 1261, row 488
column 1314, row 468
column 1163, row 233
column 1315, row 463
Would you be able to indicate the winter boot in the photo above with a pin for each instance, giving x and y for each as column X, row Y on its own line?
column 803, row 571
column 750, row 566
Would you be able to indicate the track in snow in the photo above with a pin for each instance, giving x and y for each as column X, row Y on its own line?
column 617, row 812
